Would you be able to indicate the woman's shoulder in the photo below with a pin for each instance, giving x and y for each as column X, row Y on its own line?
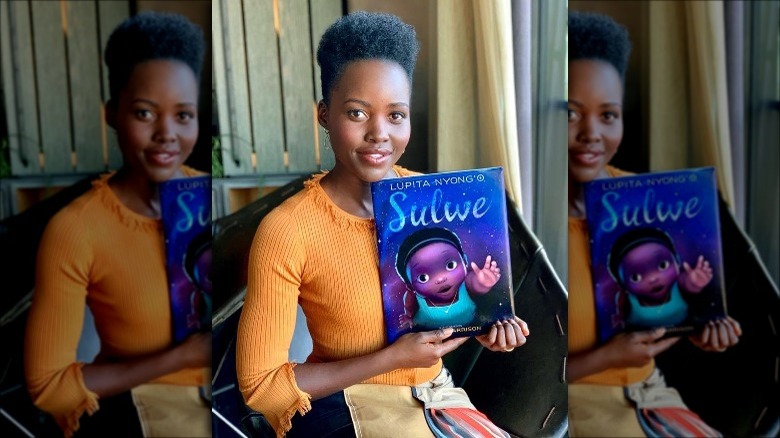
column 403, row 172
column 613, row 172
column 191, row 172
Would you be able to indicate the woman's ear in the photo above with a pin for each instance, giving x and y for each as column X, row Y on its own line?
column 110, row 114
column 322, row 114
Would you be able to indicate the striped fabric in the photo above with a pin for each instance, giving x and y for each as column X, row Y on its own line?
column 674, row 422
column 461, row 423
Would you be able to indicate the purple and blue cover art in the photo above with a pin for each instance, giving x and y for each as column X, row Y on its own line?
column 443, row 251
column 655, row 251
column 186, row 217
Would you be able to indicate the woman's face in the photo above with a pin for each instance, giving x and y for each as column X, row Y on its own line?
column 595, row 117
column 368, row 118
column 156, row 118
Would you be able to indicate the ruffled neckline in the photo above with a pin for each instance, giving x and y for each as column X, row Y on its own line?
column 127, row 217
column 340, row 217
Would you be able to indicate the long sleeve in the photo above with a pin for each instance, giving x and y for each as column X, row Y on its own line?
column 265, row 377
column 54, row 378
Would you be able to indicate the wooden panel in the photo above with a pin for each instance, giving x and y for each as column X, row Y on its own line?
column 86, row 103
column 21, row 96
column 237, row 152
column 110, row 14
column 265, row 86
column 297, row 84
column 220, row 83
column 323, row 14
column 52, row 78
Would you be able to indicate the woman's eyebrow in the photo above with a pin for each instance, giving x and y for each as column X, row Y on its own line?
column 368, row 105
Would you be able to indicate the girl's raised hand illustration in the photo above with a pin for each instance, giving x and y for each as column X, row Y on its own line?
column 693, row 280
column 480, row 281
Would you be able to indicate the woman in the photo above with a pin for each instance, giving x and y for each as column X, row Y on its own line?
column 319, row 249
column 106, row 250
column 601, row 375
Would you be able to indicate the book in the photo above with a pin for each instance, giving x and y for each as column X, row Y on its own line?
column 443, row 248
column 186, row 218
column 655, row 251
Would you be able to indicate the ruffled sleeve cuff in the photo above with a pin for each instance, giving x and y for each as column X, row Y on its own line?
column 277, row 397
column 67, row 398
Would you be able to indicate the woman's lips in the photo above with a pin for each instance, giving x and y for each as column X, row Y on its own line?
column 161, row 157
column 374, row 157
column 586, row 158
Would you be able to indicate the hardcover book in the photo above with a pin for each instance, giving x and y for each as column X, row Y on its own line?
column 443, row 251
column 186, row 217
column 655, row 251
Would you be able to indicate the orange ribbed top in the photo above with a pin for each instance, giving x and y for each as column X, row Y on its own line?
column 582, row 307
column 96, row 251
column 311, row 252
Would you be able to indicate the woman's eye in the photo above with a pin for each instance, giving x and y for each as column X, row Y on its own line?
column 423, row 278
column 610, row 116
column 357, row 114
column 144, row 114
column 397, row 116
column 572, row 115
column 663, row 265
column 635, row 278
column 452, row 264
column 185, row 116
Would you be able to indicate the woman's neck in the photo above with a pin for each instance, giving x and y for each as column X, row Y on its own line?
column 349, row 192
column 576, row 200
column 577, row 195
column 136, row 192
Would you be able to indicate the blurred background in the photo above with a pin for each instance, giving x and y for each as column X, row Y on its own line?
column 703, row 89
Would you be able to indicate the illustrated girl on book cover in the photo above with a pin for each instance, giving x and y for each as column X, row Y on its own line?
column 439, row 282
column 655, row 283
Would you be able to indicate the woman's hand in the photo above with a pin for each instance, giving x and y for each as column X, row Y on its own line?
column 195, row 351
column 636, row 349
column 423, row 349
column 505, row 335
column 718, row 335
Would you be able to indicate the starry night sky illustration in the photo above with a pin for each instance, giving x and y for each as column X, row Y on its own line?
column 691, row 237
column 176, row 242
column 480, row 237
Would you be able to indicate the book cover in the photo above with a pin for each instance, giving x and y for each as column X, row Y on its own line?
column 655, row 251
column 186, row 217
column 443, row 251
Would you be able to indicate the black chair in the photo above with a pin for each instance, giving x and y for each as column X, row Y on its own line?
column 19, row 239
column 736, row 392
column 523, row 392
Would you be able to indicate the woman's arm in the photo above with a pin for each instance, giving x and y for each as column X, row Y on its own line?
column 413, row 350
column 106, row 379
column 625, row 350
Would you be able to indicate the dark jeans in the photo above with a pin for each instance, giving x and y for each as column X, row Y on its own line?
column 329, row 417
column 117, row 417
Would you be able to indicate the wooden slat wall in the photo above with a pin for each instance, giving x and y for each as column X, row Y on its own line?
column 110, row 14
column 267, row 84
column 51, row 69
column 323, row 14
column 55, row 85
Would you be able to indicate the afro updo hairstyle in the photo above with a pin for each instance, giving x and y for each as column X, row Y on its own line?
column 364, row 35
column 149, row 36
column 596, row 36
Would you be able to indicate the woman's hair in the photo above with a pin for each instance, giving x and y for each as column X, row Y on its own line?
column 596, row 36
column 149, row 36
column 364, row 35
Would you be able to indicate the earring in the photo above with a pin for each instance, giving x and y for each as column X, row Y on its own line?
column 327, row 139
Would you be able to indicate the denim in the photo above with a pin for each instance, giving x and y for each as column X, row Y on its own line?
column 329, row 417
